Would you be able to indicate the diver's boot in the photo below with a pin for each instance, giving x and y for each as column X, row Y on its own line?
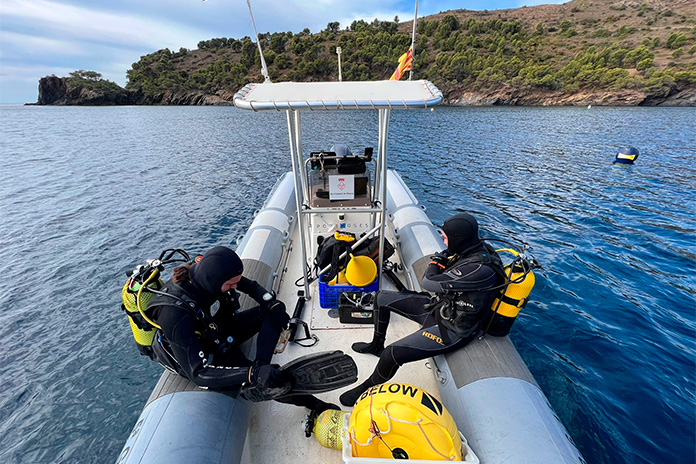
column 351, row 396
column 376, row 346
column 320, row 406
column 315, row 409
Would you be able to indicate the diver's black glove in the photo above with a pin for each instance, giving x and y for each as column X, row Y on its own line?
column 440, row 258
column 268, row 301
column 268, row 375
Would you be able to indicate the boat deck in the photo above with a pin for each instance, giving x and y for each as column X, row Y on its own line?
column 276, row 431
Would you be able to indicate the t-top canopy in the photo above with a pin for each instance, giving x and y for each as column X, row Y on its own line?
column 338, row 95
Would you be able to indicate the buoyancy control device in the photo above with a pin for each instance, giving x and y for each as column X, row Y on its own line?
column 330, row 248
column 460, row 308
column 458, row 311
column 139, row 289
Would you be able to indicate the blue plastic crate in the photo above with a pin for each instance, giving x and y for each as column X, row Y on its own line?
column 328, row 294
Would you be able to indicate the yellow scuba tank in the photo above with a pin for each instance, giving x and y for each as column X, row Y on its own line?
column 327, row 428
column 400, row 421
column 513, row 297
column 135, row 297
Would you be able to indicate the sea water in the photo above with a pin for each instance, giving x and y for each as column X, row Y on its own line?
column 88, row 193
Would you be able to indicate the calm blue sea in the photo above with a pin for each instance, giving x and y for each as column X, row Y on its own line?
column 87, row 193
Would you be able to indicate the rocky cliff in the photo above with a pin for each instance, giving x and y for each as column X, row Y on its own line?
column 194, row 97
column 64, row 91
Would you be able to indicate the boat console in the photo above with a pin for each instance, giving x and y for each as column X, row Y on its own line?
column 342, row 181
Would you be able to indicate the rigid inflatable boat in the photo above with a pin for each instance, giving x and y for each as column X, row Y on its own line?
column 486, row 386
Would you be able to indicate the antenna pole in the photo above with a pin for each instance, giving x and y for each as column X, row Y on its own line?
column 264, row 68
column 413, row 43
column 338, row 52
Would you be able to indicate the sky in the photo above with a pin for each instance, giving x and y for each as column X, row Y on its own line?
column 44, row 37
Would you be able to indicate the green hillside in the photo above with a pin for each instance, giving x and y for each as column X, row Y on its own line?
column 581, row 47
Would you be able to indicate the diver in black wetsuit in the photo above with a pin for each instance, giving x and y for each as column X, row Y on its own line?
column 464, row 276
column 203, row 344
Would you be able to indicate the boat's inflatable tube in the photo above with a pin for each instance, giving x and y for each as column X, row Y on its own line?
column 506, row 419
column 183, row 424
column 486, row 386
column 186, row 427
column 267, row 238
column 416, row 236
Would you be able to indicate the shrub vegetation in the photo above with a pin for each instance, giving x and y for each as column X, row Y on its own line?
column 451, row 51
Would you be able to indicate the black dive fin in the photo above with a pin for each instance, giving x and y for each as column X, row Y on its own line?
column 313, row 373
column 257, row 393
column 320, row 372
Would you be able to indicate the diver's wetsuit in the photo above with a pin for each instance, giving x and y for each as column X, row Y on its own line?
column 203, row 345
column 222, row 364
column 471, row 279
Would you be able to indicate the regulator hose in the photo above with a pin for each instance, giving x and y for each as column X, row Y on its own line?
column 154, row 275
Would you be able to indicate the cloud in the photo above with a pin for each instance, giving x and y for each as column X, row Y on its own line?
column 43, row 37
column 29, row 73
column 19, row 84
column 74, row 22
column 295, row 15
column 12, row 41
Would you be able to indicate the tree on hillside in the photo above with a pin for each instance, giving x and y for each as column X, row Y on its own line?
column 87, row 75
column 457, row 51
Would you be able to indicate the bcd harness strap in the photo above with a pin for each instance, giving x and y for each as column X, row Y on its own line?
column 138, row 320
column 336, row 266
column 329, row 252
column 521, row 303
column 210, row 328
column 444, row 333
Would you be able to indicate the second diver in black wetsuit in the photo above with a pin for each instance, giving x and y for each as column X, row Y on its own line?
column 202, row 342
column 465, row 277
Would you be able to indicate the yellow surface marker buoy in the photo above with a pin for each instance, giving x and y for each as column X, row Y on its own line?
column 401, row 421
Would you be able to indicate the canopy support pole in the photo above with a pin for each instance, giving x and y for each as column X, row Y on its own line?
column 264, row 68
column 413, row 43
column 297, row 168
column 382, row 163
column 300, row 159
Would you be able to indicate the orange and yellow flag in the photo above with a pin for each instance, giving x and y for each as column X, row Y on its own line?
column 405, row 64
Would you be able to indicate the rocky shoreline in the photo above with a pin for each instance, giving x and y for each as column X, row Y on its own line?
column 56, row 91
column 510, row 96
